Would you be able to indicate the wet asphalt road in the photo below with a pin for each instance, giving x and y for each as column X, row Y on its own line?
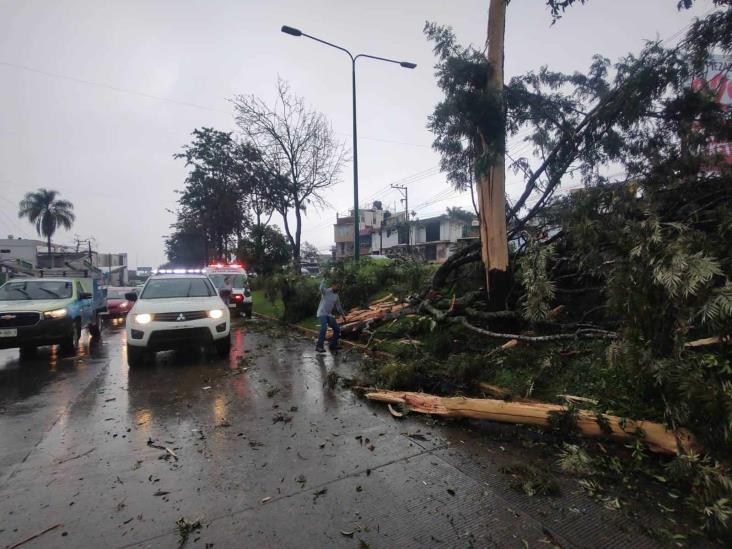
column 262, row 452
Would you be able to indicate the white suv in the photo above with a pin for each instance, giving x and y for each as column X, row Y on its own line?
column 173, row 311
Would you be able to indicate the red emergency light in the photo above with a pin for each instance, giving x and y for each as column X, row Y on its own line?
column 231, row 265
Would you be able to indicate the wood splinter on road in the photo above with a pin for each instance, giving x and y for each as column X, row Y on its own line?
column 655, row 435
column 34, row 536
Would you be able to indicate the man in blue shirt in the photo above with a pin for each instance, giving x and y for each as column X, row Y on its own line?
column 328, row 301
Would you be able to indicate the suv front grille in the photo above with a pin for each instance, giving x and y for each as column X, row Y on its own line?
column 14, row 320
column 174, row 338
column 180, row 317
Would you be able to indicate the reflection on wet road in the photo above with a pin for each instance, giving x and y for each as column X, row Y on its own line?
column 257, row 447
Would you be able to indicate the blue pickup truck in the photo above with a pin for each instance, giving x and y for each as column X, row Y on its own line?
column 49, row 311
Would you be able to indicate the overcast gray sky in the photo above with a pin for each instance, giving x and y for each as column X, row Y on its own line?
column 97, row 95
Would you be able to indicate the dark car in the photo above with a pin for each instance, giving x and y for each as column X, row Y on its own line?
column 117, row 304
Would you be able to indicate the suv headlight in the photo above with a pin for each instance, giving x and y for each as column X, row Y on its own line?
column 56, row 313
column 143, row 318
column 215, row 313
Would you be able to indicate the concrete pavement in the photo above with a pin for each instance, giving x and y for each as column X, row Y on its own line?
column 263, row 452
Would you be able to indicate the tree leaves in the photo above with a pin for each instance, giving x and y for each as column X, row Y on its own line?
column 533, row 274
column 43, row 209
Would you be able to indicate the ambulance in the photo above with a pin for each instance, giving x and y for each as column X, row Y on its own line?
column 232, row 277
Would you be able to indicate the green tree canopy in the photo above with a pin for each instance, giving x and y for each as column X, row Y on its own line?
column 266, row 250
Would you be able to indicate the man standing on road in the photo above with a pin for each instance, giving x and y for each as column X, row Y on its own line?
column 328, row 300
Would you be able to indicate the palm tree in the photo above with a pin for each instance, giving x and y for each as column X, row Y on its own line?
column 42, row 208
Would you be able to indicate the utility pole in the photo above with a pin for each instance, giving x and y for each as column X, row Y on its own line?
column 405, row 193
column 87, row 241
column 492, row 185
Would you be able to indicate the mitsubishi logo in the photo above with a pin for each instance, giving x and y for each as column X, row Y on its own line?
column 7, row 317
column 181, row 316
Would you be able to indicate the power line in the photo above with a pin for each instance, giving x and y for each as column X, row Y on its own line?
column 442, row 195
column 146, row 95
column 436, row 201
column 11, row 223
column 109, row 87
column 386, row 189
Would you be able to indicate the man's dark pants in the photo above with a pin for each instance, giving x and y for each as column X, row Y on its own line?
column 325, row 321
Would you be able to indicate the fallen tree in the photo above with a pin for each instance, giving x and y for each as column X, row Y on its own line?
column 654, row 435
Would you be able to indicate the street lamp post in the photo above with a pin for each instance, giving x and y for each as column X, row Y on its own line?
column 407, row 65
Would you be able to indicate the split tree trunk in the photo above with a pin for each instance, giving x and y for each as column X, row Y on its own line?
column 492, row 185
column 654, row 435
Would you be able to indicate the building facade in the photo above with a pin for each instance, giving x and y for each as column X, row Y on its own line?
column 369, row 220
column 35, row 252
column 387, row 233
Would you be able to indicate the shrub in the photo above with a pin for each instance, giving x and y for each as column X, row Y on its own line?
column 708, row 491
column 361, row 281
column 300, row 295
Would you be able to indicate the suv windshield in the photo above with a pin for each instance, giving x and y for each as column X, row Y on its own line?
column 162, row 288
column 222, row 280
column 35, row 289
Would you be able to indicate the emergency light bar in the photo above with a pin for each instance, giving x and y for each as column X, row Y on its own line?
column 178, row 271
column 226, row 265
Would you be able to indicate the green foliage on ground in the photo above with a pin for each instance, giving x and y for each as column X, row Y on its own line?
column 531, row 480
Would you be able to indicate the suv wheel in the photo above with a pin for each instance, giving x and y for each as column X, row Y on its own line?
column 136, row 356
column 223, row 347
column 70, row 343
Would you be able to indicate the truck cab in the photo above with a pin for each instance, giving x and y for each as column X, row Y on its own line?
column 232, row 277
column 49, row 310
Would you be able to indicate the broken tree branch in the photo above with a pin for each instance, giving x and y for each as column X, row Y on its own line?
column 582, row 332
column 34, row 536
column 655, row 435
column 491, row 315
column 469, row 254
column 76, row 456
column 434, row 311
column 703, row 342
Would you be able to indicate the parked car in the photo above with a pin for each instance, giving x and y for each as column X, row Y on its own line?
column 177, row 310
column 117, row 304
column 49, row 311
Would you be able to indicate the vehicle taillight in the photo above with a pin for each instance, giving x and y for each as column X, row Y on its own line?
column 238, row 297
